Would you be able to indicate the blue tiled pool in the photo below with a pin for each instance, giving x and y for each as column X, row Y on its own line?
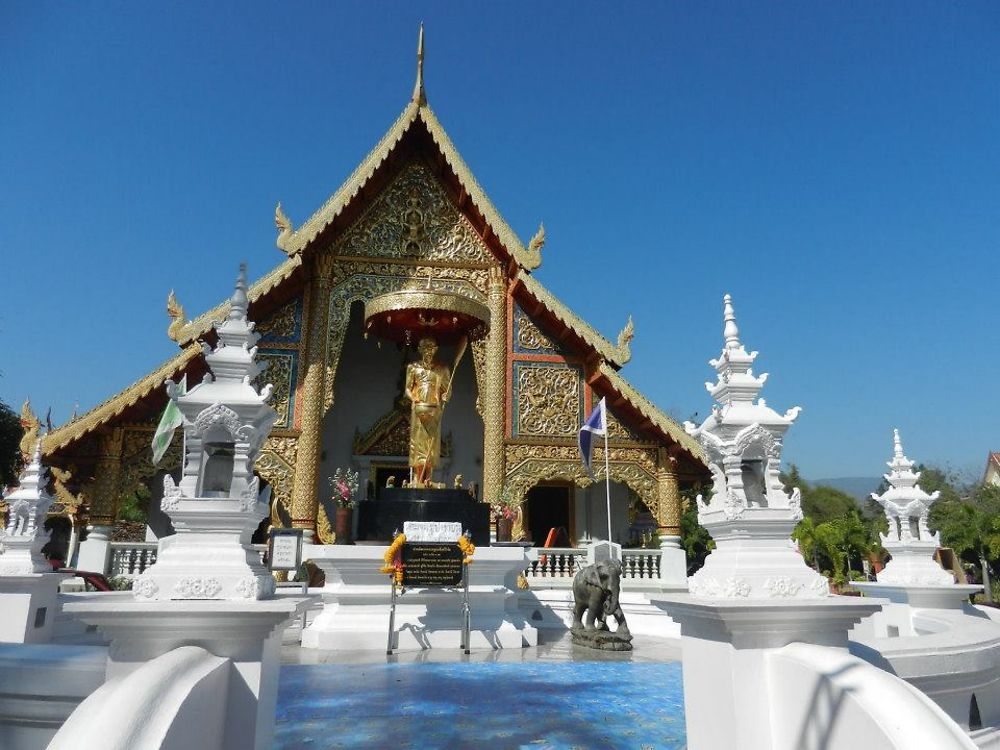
column 592, row 705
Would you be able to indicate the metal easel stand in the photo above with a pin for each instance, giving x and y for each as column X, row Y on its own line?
column 392, row 616
column 466, row 611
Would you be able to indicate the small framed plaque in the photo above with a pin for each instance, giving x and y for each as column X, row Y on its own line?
column 284, row 549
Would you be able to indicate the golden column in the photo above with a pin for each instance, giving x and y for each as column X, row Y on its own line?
column 306, row 482
column 101, row 494
column 495, row 387
column 668, row 515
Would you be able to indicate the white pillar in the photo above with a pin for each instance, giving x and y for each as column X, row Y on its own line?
column 247, row 632
column 95, row 551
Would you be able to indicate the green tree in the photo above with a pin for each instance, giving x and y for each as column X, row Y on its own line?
column 11, row 433
column 824, row 504
column 697, row 542
column 971, row 527
column 856, row 540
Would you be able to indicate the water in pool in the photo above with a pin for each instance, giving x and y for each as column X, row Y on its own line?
column 496, row 705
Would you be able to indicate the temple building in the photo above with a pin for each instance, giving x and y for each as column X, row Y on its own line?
column 411, row 218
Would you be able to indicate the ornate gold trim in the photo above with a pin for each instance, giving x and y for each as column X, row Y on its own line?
column 645, row 407
column 299, row 238
column 618, row 355
column 421, row 299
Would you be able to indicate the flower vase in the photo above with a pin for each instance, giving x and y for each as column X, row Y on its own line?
column 343, row 525
column 505, row 527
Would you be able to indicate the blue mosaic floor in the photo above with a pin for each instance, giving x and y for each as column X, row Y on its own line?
column 564, row 706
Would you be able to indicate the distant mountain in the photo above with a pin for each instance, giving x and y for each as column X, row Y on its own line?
column 857, row 487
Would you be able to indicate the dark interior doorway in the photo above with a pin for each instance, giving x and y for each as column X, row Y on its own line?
column 549, row 508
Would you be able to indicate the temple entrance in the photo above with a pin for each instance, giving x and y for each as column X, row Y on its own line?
column 549, row 514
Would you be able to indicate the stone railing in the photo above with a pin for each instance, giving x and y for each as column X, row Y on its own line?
column 564, row 562
column 641, row 563
column 130, row 559
column 555, row 562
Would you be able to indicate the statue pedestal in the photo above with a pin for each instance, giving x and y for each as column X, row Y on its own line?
column 379, row 519
column 246, row 632
column 356, row 601
column 727, row 645
column 29, row 604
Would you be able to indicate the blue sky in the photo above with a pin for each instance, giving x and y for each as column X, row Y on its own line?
column 834, row 166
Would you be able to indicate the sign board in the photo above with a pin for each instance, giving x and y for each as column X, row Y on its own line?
column 432, row 564
column 284, row 551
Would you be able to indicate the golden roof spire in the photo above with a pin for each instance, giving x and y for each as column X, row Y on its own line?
column 418, row 88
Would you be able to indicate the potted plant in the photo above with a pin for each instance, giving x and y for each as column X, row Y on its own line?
column 504, row 510
column 345, row 494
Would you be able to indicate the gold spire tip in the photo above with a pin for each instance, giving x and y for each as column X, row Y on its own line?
column 418, row 88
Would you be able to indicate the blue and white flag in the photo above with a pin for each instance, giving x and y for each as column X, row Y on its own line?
column 596, row 424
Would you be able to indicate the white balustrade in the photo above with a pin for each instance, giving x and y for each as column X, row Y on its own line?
column 564, row 562
column 555, row 562
column 130, row 559
column 641, row 563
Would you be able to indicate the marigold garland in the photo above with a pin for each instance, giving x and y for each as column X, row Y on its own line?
column 393, row 558
column 468, row 548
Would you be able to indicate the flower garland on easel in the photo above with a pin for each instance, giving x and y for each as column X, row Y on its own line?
column 468, row 549
column 393, row 556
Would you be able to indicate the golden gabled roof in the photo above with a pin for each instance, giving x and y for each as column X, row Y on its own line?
column 119, row 402
column 200, row 325
column 294, row 241
column 646, row 407
column 617, row 355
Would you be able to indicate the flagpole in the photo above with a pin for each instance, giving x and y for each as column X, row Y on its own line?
column 607, row 477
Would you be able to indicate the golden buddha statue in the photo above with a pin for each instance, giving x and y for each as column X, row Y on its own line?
column 428, row 386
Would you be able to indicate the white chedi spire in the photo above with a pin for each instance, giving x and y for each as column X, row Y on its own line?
column 909, row 540
column 743, row 439
column 736, row 383
column 905, row 501
column 218, row 503
column 233, row 358
column 22, row 539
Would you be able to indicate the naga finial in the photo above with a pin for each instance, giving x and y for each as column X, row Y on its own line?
column 32, row 427
column 537, row 242
column 419, row 96
column 626, row 334
column 178, row 319
column 281, row 220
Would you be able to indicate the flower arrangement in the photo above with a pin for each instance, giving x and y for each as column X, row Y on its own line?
column 468, row 548
column 345, row 488
column 394, row 559
column 505, row 506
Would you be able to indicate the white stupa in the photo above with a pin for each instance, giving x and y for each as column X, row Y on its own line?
column 23, row 538
column 749, row 514
column 912, row 577
column 216, row 507
column 909, row 541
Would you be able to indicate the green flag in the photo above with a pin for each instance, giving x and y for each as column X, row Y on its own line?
column 170, row 421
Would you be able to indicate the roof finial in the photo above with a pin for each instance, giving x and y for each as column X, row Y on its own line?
column 419, row 97
column 897, row 444
column 731, row 332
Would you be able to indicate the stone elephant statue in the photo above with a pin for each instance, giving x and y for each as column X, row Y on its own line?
column 595, row 591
